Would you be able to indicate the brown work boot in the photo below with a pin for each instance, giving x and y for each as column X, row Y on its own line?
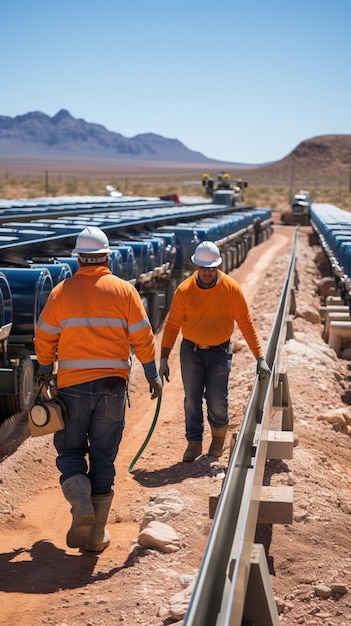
column 218, row 437
column 193, row 450
column 77, row 491
column 99, row 537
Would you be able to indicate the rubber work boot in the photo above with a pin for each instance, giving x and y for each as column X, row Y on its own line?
column 77, row 491
column 193, row 450
column 217, row 443
column 99, row 537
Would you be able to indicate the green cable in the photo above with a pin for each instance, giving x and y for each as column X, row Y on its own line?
column 148, row 435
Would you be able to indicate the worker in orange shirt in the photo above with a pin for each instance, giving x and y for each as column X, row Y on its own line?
column 205, row 308
column 88, row 324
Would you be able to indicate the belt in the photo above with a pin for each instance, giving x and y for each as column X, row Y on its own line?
column 199, row 346
column 110, row 382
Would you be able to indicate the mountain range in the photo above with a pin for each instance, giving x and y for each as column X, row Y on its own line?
column 37, row 135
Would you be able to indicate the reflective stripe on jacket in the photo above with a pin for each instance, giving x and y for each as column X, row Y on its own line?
column 92, row 319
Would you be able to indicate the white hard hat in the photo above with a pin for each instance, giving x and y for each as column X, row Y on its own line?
column 92, row 241
column 207, row 255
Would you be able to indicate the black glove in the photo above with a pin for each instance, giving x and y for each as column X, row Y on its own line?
column 44, row 375
column 155, row 387
column 164, row 369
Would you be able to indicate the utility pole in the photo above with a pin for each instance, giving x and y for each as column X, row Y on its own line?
column 292, row 172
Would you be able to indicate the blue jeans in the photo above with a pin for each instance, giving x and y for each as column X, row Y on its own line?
column 89, row 442
column 205, row 374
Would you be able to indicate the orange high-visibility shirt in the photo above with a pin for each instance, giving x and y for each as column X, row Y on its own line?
column 92, row 319
column 208, row 316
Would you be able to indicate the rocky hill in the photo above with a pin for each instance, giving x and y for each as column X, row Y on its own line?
column 37, row 135
column 323, row 160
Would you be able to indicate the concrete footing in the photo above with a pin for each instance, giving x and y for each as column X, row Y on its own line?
column 334, row 316
column 339, row 335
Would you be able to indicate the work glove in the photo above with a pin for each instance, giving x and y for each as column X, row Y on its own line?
column 163, row 370
column 44, row 375
column 262, row 368
column 155, row 387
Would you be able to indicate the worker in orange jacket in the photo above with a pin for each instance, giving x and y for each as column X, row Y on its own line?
column 87, row 327
column 205, row 308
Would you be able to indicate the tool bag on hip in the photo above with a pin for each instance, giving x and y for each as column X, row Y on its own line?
column 47, row 415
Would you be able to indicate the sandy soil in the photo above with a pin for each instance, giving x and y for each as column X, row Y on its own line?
column 42, row 582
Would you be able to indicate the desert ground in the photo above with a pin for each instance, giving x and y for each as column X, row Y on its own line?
column 272, row 186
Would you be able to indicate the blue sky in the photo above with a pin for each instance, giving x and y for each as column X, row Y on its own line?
column 244, row 81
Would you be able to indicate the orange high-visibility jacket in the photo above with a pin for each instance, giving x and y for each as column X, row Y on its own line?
column 208, row 316
column 92, row 319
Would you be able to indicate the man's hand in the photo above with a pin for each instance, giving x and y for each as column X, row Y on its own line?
column 155, row 387
column 44, row 375
column 164, row 369
column 262, row 368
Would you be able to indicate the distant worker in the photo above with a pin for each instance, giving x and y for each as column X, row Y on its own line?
column 239, row 187
column 209, row 187
column 223, row 181
column 226, row 184
column 207, row 182
column 204, row 308
column 89, row 323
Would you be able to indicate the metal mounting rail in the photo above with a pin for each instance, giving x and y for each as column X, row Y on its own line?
column 233, row 585
column 47, row 209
